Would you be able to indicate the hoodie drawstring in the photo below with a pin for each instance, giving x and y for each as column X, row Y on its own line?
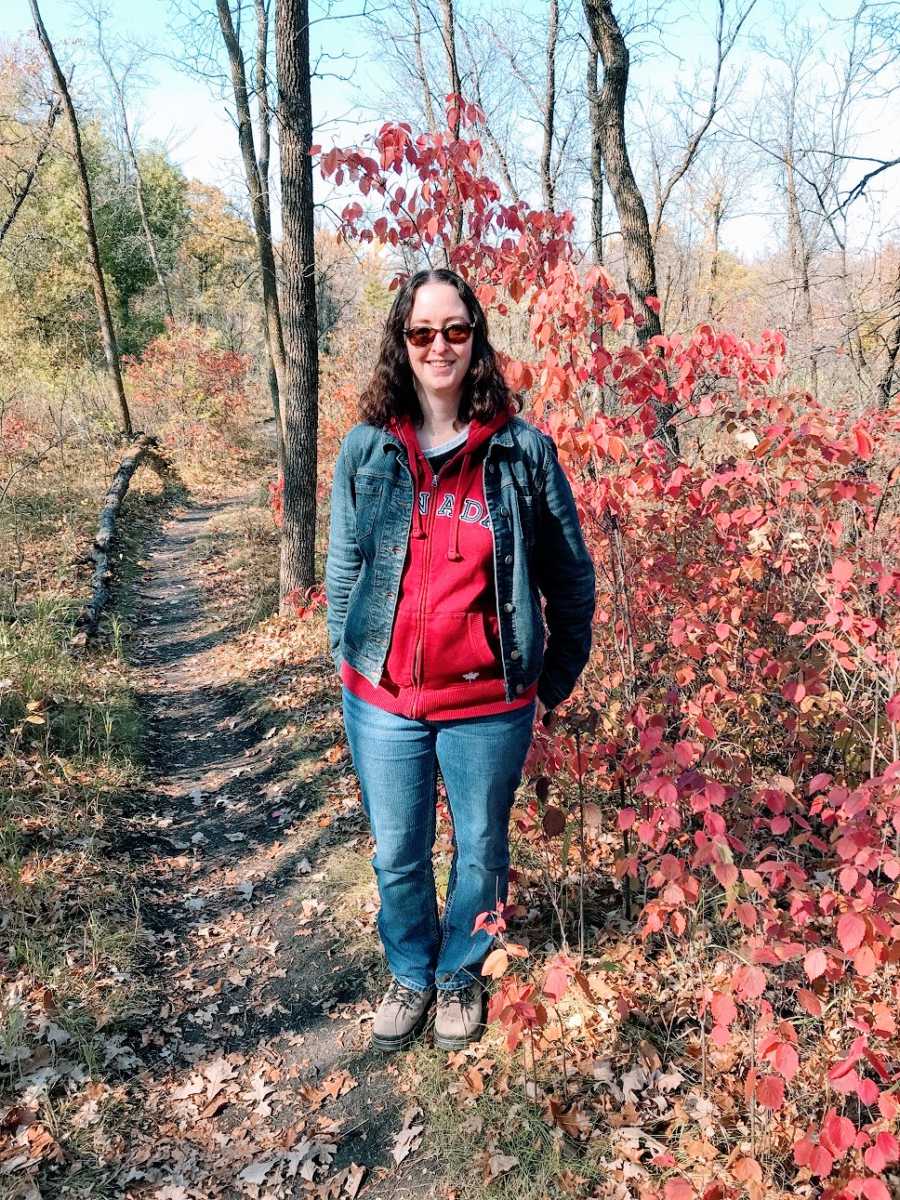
column 453, row 553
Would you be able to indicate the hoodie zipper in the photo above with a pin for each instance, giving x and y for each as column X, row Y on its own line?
column 419, row 652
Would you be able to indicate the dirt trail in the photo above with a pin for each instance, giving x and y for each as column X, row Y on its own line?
column 252, row 1072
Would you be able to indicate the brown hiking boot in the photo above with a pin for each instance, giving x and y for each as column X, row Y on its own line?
column 401, row 1017
column 460, row 1017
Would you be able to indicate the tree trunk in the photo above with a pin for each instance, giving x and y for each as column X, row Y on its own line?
column 298, row 539
column 596, row 156
column 886, row 384
column 632, row 212
column 490, row 137
column 715, row 208
column 26, row 178
column 260, row 213
column 138, row 179
column 107, row 332
column 420, row 69
column 800, row 265
column 448, row 34
column 547, row 182
column 264, row 125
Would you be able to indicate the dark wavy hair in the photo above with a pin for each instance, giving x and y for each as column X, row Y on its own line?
column 391, row 390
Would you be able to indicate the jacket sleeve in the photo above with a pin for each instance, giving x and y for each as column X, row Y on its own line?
column 566, row 578
column 344, row 560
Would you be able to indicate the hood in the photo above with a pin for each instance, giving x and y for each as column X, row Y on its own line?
column 479, row 433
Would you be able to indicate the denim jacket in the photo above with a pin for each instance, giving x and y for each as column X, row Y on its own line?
column 539, row 550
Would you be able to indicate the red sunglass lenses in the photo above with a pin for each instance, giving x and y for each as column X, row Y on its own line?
column 423, row 335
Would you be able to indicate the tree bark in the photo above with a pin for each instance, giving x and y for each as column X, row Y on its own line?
column 145, row 447
column 264, row 125
column 107, row 331
column 885, row 386
column 448, row 34
column 716, row 207
column 300, row 399
column 23, row 186
column 420, row 69
column 260, row 213
column 800, row 264
column 596, row 156
column 547, row 181
column 639, row 257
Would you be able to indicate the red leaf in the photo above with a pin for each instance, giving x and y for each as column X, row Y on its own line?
column 678, row 1189
column 787, row 1061
column 874, row 1189
column 815, row 964
column 724, row 1009
column 750, row 982
column 864, row 961
column 841, row 570
column 892, row 709
column 851, row 929
column 770, row 1091
column 809, row 1002
column 838, row 1133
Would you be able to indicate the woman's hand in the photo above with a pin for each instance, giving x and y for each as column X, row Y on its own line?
column 539, row 712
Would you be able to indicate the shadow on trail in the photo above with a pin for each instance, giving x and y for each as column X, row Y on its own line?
column 251, row 855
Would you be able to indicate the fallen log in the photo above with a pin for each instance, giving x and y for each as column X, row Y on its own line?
column 144, row 449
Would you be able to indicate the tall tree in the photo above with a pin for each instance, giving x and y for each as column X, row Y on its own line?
column 547, row 181
column 610, row 131
column 420, row 68
column 118, row 84
column 300, row 398
column 107, row 331
column 892, row 346
column 596, row 159
column 25, row 176
column 259, row 209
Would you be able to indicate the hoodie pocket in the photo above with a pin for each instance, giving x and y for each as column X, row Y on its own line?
column 458, row 650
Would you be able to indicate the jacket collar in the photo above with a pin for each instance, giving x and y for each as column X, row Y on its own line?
column 502, row 437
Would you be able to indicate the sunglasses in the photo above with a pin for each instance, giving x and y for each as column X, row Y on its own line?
column 456, row 334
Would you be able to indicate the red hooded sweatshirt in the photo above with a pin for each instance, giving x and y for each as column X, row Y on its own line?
column 444, row 658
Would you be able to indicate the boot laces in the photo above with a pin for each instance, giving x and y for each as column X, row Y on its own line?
column 399, row 993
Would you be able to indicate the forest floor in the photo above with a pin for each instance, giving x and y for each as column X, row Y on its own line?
column 196, row 964
column 253, row 1072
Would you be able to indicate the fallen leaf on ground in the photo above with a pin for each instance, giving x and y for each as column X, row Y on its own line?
column 410, row 1136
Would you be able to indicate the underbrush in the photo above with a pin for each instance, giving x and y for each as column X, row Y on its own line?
column 71, row 939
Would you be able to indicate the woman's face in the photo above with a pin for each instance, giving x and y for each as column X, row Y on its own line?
column 440, row 368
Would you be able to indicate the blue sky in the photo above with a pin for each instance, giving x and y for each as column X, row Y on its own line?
column 192, row 118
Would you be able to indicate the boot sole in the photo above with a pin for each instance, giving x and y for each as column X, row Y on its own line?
column 458, row 1043
column 390, row 1045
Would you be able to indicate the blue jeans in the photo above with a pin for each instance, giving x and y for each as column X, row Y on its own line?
column 481, row 761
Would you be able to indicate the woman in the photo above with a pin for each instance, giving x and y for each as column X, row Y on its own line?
column 448, row 515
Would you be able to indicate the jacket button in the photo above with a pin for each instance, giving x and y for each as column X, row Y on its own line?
column 520, row 687
column 492, row 468
column 509, row 607
column 503, row 512
column 508, row 558
column 515, row 654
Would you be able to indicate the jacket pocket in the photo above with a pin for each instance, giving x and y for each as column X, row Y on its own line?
column 369, row 490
